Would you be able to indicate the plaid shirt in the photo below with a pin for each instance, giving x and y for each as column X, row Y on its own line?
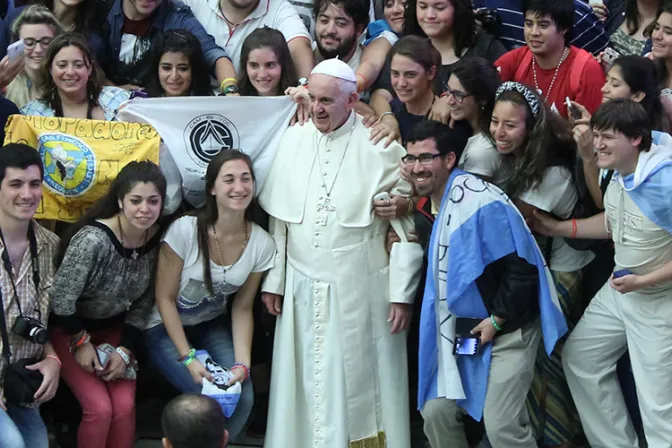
column 47, row 243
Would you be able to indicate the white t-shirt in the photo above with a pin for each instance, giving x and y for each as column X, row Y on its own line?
column 480, row 157
column 194, row 302
column 277, row 14
column 556, row 194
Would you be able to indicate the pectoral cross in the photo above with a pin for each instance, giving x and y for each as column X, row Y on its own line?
column 323, row 208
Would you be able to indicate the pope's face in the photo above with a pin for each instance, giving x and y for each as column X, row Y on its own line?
column 329, row 106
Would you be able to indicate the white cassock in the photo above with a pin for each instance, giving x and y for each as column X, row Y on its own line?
column 339, row 377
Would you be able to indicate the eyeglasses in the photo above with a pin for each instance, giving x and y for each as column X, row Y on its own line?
column 29, row 42
column 424, row 158
column 459, row 96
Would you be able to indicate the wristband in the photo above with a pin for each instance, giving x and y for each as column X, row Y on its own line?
column 494, row 323
column 247, row 369
column 84, row 339
column 226, row 81
column 232, row 88
column 188, row 358
column 124, row 356
column 55, row 358
column 574, row 229
column 362, row 86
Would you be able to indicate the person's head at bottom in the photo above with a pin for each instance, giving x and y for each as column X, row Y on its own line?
column 193, row 420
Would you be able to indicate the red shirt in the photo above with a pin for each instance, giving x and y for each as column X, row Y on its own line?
column 588, row 94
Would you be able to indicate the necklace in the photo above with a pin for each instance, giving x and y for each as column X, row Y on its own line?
column 555, row 75
column 340, row 164
column 219, row 252
column 134, row 254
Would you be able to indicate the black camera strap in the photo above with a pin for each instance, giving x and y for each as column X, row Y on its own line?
column 32, row 241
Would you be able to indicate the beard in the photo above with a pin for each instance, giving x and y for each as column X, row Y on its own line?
column 340, row 51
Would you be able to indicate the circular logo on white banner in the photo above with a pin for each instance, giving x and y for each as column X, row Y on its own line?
column 207, row 135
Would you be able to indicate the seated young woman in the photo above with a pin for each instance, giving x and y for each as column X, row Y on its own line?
column 209, row 270
column 102, row 293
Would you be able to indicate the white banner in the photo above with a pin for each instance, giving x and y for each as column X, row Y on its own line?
column 196, row 129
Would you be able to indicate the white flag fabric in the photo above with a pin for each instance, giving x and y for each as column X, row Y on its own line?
column 195, row 129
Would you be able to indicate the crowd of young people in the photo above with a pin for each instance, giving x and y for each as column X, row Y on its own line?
column 576, row 143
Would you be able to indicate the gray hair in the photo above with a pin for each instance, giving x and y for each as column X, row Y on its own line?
column 346, row 87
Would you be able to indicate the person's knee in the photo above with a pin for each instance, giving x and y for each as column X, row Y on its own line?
column 440, row 413
column 11, row 437
column 246, row 396
column 124, row 407
column 503, row 429
column 99, row 409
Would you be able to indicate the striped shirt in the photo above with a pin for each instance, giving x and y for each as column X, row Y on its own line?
column 47, row 243
column 588, row 32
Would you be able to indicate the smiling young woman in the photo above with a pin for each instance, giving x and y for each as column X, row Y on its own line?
column 102, row 293
column 69, row 84
column 37, row 27
column 178, row 67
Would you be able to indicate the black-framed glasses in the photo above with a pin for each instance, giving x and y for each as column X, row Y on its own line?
column 29, row 42
column 459, row 96
column 425, row 158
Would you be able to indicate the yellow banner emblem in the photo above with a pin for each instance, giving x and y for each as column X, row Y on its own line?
column 80, row 157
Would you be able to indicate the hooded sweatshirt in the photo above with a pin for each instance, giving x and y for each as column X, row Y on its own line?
column 639, row 212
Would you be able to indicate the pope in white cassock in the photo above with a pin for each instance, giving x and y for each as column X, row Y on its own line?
column 339, row 360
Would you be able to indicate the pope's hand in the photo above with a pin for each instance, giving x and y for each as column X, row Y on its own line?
column 400, row 316
column 395, row 207
column 273, row 302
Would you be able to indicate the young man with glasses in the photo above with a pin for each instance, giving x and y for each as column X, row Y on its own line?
column 499, row 284
column 23, row 245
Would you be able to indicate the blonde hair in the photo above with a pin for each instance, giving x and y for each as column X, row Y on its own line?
column 22, row 89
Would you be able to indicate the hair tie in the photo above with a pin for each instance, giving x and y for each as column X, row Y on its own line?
column 530, row 97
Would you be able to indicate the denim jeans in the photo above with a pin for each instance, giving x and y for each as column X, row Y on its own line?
column 212, row 336
column 22, row 428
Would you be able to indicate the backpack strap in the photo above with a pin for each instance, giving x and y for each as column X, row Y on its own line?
column 580, row 61
column 523, row 66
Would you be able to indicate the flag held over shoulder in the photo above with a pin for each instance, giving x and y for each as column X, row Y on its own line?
column 80, row 157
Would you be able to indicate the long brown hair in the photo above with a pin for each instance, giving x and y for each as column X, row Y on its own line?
column 207, row 215
column 48, row 92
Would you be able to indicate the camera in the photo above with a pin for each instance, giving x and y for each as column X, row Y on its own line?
column 30, row 329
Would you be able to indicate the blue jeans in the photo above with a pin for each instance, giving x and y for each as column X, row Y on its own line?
column 22, row 428
column 212, row 336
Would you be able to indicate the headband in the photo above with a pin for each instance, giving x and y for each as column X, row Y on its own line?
column 530, row 97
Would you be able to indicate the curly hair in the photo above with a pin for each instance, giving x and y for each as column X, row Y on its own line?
column 180, row 41
column 549, row 142
column 46, row 87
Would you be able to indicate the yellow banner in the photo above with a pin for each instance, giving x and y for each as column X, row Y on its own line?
column 80, row 157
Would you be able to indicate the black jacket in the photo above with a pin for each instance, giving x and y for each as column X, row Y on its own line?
column 509, row 286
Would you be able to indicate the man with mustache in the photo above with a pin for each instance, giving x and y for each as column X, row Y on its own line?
column 339, row 362
column 500, row 292
column 338, row 27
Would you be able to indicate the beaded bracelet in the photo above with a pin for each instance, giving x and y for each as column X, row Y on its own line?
column 247, row 369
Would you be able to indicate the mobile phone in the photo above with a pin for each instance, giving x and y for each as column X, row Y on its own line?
column 622, row 273
column 15, row 50
column 467, row 346
column 103, row 351
column 384, row 196
column 608, row 58
column 571, row 110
